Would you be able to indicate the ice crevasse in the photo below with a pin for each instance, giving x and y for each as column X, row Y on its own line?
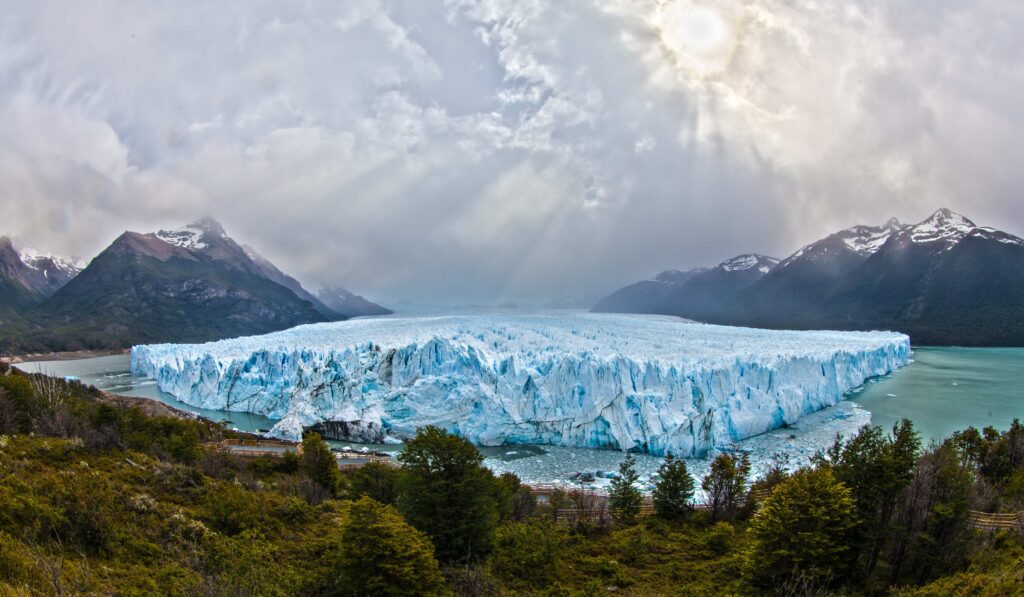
column 649, row 383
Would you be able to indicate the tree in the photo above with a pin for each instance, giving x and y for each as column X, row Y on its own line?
column 674, row 490
column 511, row 497
column 802, row 532
column 876, row 468
column 375, row 480
column 625, row 499
column 319, row 463
column 529, row 552
column 378, row 553
column 725, row 484
column 932, row 532
column 446, row 492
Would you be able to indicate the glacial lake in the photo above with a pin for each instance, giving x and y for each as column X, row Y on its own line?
column 941, row 390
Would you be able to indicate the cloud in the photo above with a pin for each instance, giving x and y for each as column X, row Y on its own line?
column 488, row 149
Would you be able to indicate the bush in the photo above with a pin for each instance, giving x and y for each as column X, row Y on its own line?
column 802, row 531
column 528, row 552
column 720, row 538
column 319, row 464
column 231, row 509
column 376, row 481
column 377, row 553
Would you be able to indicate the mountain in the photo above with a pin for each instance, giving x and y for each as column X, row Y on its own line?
column 695, row 294
column 38, row 274
column 648, row 296
column 797, row 294
column 348, row 304
column 270, row 271
column 192, row 284
column 27, row 278
column 943, row 281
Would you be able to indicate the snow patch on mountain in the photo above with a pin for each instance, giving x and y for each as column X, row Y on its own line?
column 866, row 240
column 944, row 225
column 862, row 240
column 656, row 384
column 46, row 263
column 749, row 261
column 186, row 238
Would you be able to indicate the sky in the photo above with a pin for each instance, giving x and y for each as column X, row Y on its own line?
column 490, row 150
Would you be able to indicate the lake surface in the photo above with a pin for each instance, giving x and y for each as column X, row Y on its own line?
column 941, row 391
column 947, row 389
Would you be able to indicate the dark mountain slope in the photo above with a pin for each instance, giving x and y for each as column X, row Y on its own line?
column 349, row 304
column 648, row 296
column 943, row 281
column 190, row 285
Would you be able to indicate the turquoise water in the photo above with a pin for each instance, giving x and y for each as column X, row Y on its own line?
column 113, row 374
column 947, row 389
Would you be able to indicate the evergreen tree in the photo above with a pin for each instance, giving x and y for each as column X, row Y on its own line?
column 932, row 521
column 801, row 532
column 674, row 490
column 446, row 492
column 378, row 553
column 876, row 468
column 319, row 463
column 725, row 485
column 625, row 499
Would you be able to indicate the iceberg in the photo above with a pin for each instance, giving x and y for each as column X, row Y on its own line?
column 651, row 384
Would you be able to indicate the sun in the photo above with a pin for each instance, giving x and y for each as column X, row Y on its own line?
column 699, row 37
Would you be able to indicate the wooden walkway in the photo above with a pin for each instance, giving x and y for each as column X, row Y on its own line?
column 255, row 448
column 987, row 521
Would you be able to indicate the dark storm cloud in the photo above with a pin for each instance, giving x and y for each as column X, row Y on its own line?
column 482, row 150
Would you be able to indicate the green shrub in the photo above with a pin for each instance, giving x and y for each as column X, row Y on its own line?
column 376, row 481
column 528, row 553
column 377, row 553
column 802, row 531
column 319, row 464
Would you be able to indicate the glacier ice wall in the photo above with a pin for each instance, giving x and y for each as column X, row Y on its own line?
column 651, row 383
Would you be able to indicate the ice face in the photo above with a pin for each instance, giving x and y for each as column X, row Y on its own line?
column 650, row 383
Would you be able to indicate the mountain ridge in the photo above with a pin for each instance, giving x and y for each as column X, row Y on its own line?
column 944, row 280
column 191, row 284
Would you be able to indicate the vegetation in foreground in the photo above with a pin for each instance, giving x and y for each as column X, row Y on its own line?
column 100, row 499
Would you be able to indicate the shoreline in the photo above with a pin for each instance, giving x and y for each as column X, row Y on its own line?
column 71, row 355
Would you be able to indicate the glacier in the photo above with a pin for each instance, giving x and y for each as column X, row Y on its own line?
column 652, row 384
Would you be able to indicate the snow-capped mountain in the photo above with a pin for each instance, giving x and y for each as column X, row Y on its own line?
column 749, row 261
column 189, row 284
column 56, row 269
column 38, row 273
column 862, row 241
column 944, row 280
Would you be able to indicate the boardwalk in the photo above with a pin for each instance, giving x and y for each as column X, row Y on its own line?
column 255, row 448
column 986, row 521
